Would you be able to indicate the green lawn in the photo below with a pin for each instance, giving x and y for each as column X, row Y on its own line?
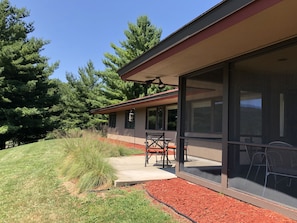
column 32, row 190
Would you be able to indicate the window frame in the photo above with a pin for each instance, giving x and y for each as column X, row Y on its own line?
column 112, row 120
column 159, row 124
column 167, row 109
column 161, row 121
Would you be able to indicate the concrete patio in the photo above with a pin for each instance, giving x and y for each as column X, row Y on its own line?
column 131, row 170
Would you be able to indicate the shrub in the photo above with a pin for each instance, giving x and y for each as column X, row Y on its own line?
column 85, row 160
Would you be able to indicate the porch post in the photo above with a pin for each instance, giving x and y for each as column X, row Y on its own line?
column 225, row 126
column 180, row 123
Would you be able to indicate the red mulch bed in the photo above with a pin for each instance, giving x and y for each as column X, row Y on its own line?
column 129, row 145
column 201, row 205
column 122, row 143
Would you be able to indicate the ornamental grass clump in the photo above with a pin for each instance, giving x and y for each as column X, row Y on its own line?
column 85, row 162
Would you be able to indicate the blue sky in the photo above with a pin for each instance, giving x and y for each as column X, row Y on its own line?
column 82, row 30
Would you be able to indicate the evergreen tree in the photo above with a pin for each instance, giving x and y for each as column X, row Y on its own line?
column 79, row 96
column 140, row 37
column 27, row 94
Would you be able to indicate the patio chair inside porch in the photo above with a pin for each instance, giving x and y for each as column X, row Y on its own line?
column 281, row 160
column 256, row 157
column 155, row 144
column 172, row 146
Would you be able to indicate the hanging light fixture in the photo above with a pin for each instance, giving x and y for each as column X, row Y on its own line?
column 152, row 81
column 160, row 84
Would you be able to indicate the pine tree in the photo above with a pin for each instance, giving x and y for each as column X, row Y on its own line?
column 140, row 37
column 80, row 95
column 27, row 94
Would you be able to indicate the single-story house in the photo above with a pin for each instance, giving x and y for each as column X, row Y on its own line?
column 236, row 102
column 153, row 112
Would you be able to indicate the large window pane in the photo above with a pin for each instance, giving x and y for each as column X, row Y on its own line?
column 112, row 120
column 155, row 118
column 171, row 117
column 263, row 110
column 203, row 124
column 151, row 118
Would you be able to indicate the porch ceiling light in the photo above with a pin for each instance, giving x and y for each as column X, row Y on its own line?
column 160, row 84
column 149, row 82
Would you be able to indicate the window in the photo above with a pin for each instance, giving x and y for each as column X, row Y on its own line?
column 171, row 114
column 129, row 119
column 151, row 118
column 112, row 120
column 206, row 116
column 155, row 118
column 162, row 118
column 201, row 121
column 204, row 103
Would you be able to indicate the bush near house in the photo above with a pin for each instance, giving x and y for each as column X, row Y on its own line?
column 85, row 160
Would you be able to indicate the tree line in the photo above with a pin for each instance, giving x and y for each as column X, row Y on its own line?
column 32, row 104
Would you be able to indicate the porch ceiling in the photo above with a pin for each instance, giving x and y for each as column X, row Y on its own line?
column 255, row 26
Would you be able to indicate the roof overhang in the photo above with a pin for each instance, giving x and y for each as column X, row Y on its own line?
column 167, row 97
column 228, row 30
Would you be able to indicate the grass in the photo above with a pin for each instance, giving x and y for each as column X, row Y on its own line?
column 32, row 191
column 85, row 161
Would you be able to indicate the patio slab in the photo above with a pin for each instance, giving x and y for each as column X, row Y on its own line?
column 131, row 170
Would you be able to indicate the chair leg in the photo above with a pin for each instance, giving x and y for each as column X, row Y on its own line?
column 265, row 184
column 250, row 168
column 145, row 159
column 257, row 173
column 290, row 182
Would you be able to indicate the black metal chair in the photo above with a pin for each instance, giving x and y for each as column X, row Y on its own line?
column 280, row 161
column 155, row 144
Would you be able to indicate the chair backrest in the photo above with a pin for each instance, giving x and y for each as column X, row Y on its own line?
column 280, row 143
column 174, row 140
column 252, row 152
column 155, row 139
column 281, row 160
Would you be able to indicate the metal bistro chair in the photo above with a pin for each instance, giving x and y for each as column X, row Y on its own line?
column 280, row 162
column 256, row 157
column 155, row 144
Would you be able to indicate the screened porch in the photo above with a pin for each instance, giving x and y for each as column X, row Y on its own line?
column 238, row 109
